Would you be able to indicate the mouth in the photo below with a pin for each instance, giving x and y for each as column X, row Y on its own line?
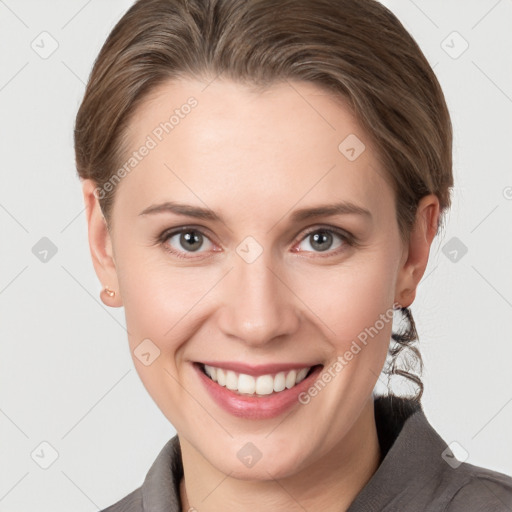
column 257, row 385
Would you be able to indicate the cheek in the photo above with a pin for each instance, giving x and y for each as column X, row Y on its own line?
column 159, row 298
column 350, row 298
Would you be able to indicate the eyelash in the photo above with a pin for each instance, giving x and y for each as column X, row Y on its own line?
column 348, row 239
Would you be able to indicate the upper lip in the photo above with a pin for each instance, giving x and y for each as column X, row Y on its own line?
column 260, row 369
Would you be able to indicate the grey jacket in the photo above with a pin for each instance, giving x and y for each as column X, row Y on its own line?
column 417, row 473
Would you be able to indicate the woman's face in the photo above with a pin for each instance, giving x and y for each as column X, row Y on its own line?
column 250, row 281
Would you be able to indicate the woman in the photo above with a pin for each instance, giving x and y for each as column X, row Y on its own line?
column 221, row 143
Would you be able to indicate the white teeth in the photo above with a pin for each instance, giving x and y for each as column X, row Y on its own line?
column 290, row 379
column 264, row 385
column 231, row 380
column 301, row 375
column 221, row 377
column 246, row 384
column 211, row 372
column 280, row 381
column 261, row 385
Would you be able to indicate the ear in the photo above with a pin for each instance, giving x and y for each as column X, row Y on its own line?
column 100, row 245
column 416, row 253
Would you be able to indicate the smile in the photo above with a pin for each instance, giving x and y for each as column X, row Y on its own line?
column 256, row 392
column 256, row 385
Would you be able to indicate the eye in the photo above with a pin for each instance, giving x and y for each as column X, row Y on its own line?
column 183, row 240
column 321, row 240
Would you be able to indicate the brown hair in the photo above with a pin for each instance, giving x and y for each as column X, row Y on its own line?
column 356, row 49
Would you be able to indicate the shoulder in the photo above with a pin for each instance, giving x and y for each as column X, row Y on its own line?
column 160, row 489
column 483, row 490
column 130, row 503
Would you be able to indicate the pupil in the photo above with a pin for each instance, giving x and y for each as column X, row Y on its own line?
column 321, row 238
column 190, row 239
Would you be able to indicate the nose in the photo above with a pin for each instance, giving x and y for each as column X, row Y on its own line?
column 259, row 305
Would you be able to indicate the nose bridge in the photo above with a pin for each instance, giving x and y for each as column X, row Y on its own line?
column 259, row 305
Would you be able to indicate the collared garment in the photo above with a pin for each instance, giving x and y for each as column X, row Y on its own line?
column 417, row 473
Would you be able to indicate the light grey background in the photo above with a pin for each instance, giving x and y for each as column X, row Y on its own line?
column 66, row 375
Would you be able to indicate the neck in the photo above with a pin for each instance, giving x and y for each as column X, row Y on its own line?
column 330, row 484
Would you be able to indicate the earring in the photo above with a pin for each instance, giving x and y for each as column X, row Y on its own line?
column 109, row 292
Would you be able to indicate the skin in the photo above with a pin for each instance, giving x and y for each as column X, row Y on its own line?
column 254, row 158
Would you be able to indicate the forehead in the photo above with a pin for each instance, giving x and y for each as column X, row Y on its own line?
column 290, row 143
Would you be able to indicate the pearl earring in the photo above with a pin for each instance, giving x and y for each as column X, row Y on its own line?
column 109, row 292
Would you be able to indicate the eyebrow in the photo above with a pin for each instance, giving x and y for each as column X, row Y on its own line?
column 342, row 208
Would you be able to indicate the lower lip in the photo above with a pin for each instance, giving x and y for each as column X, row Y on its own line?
column 255, row 407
